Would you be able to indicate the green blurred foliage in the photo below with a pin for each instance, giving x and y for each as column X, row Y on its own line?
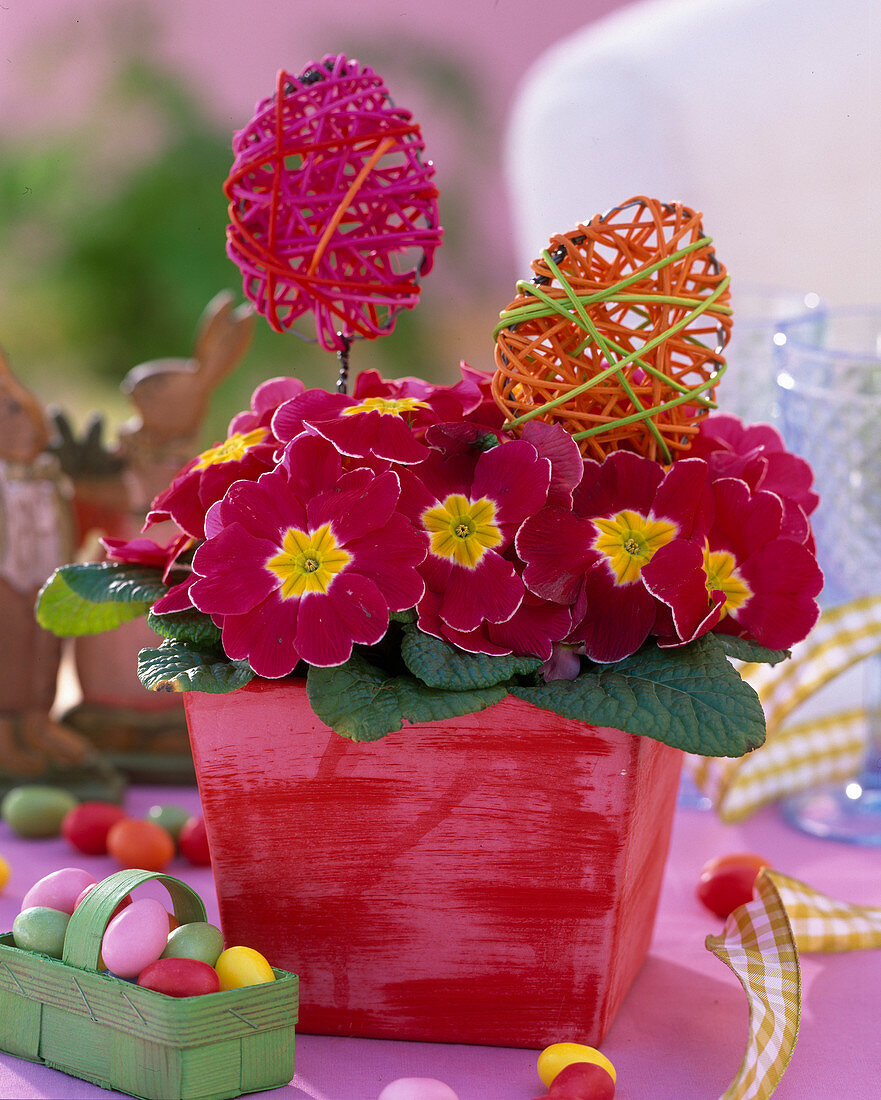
column 108, row 255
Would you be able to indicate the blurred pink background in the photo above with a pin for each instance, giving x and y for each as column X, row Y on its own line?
column 456, row 65
column 56, row 54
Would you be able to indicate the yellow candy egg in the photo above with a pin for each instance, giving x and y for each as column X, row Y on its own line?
column 559, row 1055
column 239, row 966
column 5, row 873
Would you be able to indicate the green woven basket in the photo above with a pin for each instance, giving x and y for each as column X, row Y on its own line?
column 65, row 1014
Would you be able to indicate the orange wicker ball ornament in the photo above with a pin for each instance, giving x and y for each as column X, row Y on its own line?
column 619, row 336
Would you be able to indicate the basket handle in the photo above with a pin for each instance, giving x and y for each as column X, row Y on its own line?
column 82, row 941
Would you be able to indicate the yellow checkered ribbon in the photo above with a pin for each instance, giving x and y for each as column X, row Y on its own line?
column 798, row 756
column 760, row 943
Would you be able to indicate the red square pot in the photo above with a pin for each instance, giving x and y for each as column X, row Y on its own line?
column 486, row 879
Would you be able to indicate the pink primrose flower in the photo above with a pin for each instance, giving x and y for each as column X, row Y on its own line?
column 769, row 581
column 470, row 503
column 466, row 400
column 532, row 631
column 307, row 561
column 268, row 396
column 243, row 455
column 756, row 454
column 144, row 551
column 631, row 526
column 382, row 427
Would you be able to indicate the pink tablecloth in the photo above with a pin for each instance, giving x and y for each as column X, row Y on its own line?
column 679, row 1036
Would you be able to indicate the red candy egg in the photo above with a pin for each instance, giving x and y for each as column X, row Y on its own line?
column 193, row 842
column 180, row 977
column 86, row 826
column 582, row 1081
column 727, row 881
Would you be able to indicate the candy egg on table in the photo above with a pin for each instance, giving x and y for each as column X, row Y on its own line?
column 726, row 882
column 417, row 1088
column 557, row 1056
column 135, row 938
column 39, row 928
column 59, row 890
column 36, row 810
column 86, row 826
column 241, row 966
column 171, row 818
column 5, row 873
column 582, row 1081
column 140, row 843
column 180, row 977
column 196, row 940
column 193, row 842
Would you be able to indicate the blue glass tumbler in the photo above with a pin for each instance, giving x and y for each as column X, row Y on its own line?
column 829, row 402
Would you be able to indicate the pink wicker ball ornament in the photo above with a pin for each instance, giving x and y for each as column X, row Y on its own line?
column 331, row 207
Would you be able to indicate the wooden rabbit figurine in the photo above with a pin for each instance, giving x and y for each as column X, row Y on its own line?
column 171, row 397
column 36, row 536
column 145, row 733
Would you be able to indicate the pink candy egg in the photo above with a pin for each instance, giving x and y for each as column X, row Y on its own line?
column 135, row 938
column 180, row 977
column 59, row 890
column 417, row 1088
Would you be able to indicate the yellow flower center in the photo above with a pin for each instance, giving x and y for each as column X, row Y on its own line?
column 630, row 541
column 308, row 561
column 462, row 529
column 232, row 449
column 386, row 406
column 723, row 576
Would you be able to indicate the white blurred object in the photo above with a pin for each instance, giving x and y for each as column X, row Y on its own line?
column 763, row 114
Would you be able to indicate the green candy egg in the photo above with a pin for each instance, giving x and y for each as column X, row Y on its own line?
column 197, row 940
column 36, row 811
column 171, row 818
column 39, row 928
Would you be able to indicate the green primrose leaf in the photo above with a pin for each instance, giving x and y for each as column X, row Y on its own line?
column 176, row 667
column 441, row 665
column 691, row 697
column 191, row 627
column 96, row 596
column 364, row 703
column 742, row 649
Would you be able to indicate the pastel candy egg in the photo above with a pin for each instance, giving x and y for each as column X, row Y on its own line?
column 139, row 843
column 171, row 818
column 197, row 940
column 240, row 966
column 59, row 890
column 35, row 810
column 180, row 977
column 559, row 1055
column 135, row 938
column 417, row 1088
column 39, row 928
column 582, row 1081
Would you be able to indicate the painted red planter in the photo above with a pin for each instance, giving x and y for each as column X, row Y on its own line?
column 488, row 879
